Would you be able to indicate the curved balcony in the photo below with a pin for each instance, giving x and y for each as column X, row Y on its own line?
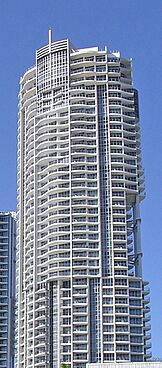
column 29, row 93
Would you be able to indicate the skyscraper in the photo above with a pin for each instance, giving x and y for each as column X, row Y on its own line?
column 81, row 295
column 7, row 288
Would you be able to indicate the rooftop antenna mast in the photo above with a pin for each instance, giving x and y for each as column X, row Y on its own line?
column 50, row 38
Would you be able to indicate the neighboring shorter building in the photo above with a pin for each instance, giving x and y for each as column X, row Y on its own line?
column 7, row 287
column 152, row 364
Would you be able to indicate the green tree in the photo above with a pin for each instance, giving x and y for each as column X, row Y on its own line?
column 65, row 365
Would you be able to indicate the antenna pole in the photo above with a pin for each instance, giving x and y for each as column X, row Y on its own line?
column 50, row 38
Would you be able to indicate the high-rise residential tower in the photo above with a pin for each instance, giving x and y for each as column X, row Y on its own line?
column 81, row 295
column 7, row 288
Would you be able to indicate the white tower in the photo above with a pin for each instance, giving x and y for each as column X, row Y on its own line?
column 81, row 296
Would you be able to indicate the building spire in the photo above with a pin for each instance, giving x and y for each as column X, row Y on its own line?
column 49, row 38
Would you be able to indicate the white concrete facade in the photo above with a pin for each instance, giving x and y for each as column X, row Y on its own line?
column 152, row 364
column 81, row 296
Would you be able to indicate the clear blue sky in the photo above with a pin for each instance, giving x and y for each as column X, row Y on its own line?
column 135, row 28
